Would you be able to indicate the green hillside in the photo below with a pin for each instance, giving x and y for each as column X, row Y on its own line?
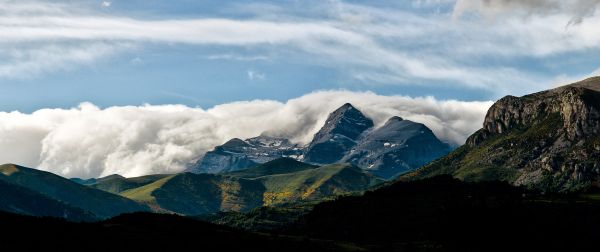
column 315, row 183
column 277, row 182
column 195, row 194
column 18, row 199
column 100, row 203
column 117, row 184
column 277, row 166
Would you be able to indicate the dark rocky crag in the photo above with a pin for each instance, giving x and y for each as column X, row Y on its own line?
column 548, row 140
column 340, row 133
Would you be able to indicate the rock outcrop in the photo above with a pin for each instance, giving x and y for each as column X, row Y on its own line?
column 548, row 140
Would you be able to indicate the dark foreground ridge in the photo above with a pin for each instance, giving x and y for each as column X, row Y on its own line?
column 144, row 232
column 435, row 214
column 446, row 214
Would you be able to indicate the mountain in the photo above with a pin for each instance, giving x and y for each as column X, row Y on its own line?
column 18, row 199
column 195, row 194
column 101, row 204
column 340, row 133
column 276, row 182
column 317, row 183
column 548, row 140
column 277, row 166
column 397, row 147
column 237, row 154
column 117, row 184
column 348, row 136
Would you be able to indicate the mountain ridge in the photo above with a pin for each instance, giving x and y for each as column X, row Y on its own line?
column 548, row 140
column 102, row 204
column 346, row 136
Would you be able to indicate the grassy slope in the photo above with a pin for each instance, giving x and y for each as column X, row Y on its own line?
column 102, row 204
column 18, row 199
column 194, row 194
column 277, row 166
column 314, row 183
column 117, row 184
column 143, row 194
column 277, row 182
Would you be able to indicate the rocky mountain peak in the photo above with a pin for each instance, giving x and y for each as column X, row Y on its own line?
column 577, row 107
column 393, row 120
column 347, row 121
column 339, row 134
column 548, row 140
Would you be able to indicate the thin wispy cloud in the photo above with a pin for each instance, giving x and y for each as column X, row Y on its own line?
column 577, row 10
column 237, row 57
column 254, row 75
column 376, row 45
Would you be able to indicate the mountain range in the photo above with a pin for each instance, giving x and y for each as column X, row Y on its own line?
column 275, row 182
column 348, row 136
column 529, row 179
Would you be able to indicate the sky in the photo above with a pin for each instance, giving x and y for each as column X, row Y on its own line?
column 67, row 67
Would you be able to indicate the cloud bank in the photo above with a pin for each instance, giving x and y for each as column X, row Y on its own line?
column 88, row 141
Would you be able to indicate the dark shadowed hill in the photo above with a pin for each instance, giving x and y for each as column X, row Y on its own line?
column 446, row 214
column 101, row 204
column 146, row 232
column 18, row 199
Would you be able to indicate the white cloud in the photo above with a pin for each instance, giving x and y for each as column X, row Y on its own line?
column 254, row 75
column 32, row 61
column 237, row 57
column 87, row 141
column 106, row 4
column 374, row 45
column 371, row 45
column 577, row 10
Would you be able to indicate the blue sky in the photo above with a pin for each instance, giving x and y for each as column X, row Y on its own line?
column 204, row 53
column 91, row 88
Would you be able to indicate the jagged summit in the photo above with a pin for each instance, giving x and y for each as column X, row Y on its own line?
column 339, row 134
column 347, row 121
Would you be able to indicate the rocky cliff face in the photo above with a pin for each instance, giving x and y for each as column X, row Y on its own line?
column 549, row 140
column 339, row 134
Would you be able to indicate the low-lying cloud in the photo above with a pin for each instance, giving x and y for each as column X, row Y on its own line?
column 88, row 141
